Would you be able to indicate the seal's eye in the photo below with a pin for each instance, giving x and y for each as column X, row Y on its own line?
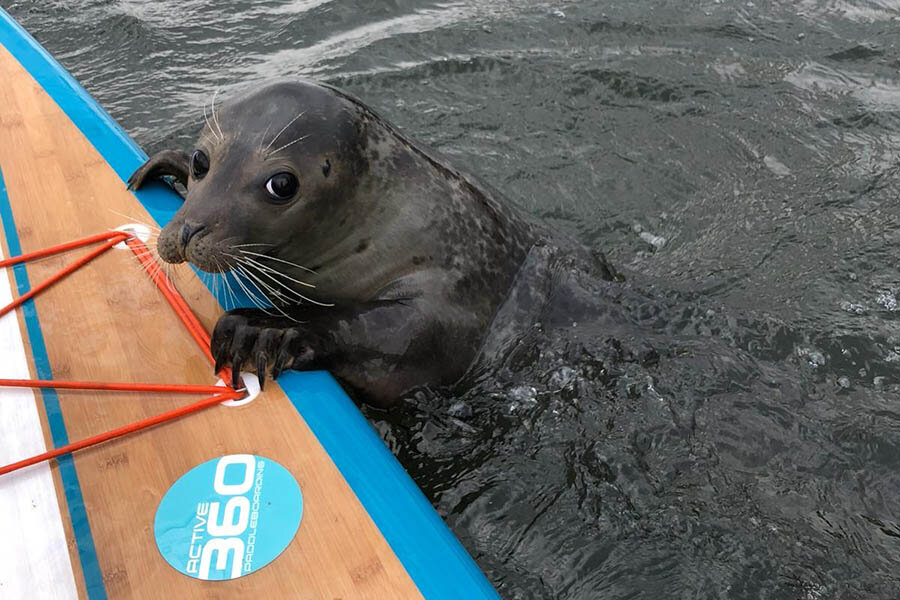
column 326, row 168
column 282, row 186
column 199, row 164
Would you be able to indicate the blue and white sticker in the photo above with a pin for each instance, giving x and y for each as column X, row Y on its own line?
column 228, row 517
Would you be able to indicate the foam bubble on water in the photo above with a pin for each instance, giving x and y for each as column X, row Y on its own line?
column 888, row 299
column 562, row 378
column 776, row 166
column 844, row 382
column 460, row 408
column 522, row 396
column 657, row 241
column 814, row 357
column 853, row 308
column 463, row 425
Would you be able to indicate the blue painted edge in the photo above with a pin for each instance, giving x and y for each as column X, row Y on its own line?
column 84, row 540
column 435, row 560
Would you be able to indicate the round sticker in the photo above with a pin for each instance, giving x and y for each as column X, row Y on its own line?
column 228, row 517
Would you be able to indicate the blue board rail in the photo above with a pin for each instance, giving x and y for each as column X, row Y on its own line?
column 435, row 560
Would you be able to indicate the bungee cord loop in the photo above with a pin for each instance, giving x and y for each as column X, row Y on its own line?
column 216, row 394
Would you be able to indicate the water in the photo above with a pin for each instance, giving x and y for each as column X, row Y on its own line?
column 733, row 429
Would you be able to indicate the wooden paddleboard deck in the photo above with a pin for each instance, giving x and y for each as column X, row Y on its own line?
column 83, row 526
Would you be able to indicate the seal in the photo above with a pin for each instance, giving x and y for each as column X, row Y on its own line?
column 377, row 260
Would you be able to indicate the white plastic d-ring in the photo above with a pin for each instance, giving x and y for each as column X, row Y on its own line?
column 141, row 232
column 251, row 383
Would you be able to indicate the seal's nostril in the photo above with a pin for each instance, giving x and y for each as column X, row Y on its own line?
column 188, row 232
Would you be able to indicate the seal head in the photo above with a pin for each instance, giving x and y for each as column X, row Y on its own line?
column 257, row 175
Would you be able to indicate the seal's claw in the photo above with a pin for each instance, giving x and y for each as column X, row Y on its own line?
column 236, row 372
column 265, row 350
column 261, row 360
column 285, row 353
column 239, row 357
column 246, row 340
column 221, row 342
column 282, row 362
column 220, row 362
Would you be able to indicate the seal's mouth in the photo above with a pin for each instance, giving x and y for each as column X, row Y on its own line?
column 213, row 268
column 191, row 243
column 208, row 259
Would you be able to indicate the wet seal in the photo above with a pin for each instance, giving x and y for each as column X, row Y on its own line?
column 366, row 253
column 228, row 517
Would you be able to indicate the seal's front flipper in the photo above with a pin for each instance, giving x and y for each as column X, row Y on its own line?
column 248, row 339
column 172, row 163
column 380, row 348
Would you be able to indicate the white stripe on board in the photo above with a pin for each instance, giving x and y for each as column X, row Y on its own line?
column 34, row 556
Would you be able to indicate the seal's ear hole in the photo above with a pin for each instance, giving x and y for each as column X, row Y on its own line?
column 326, row 168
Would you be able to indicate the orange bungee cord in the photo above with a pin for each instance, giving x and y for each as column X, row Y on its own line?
column 217, row 394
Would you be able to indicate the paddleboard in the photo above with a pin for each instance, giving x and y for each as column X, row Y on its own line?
column 289, row 495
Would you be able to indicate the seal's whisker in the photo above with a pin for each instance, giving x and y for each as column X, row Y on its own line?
column 297, row 296
column 218, row 288
column 299, row 139
column 281, row 260
column 246, row 273
column 256, row 300
column 224, row 276
column 214, row 284
column 304, row 298
column 230, row 289
column 232, row 294
column 216, row 115
column 277, row 295
column 263, row 138
column 284, row 293
column 206, row 119
column 269, row 272
column 283, row 129
column 136, row 220
column 275, row 306
column 275, row 271
column 171, row 274
column 151, row 248
column 224, row 290
column 159, row 266
column 272, row 271
column 152, row 271
column 238, row 271
column 209, row 283
column 145, row 253
column 273, row 281
column 248, row 245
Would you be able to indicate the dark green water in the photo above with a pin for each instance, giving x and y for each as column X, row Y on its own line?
column 759, row 456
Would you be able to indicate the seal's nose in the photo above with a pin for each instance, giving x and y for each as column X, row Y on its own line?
column 188, row 232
